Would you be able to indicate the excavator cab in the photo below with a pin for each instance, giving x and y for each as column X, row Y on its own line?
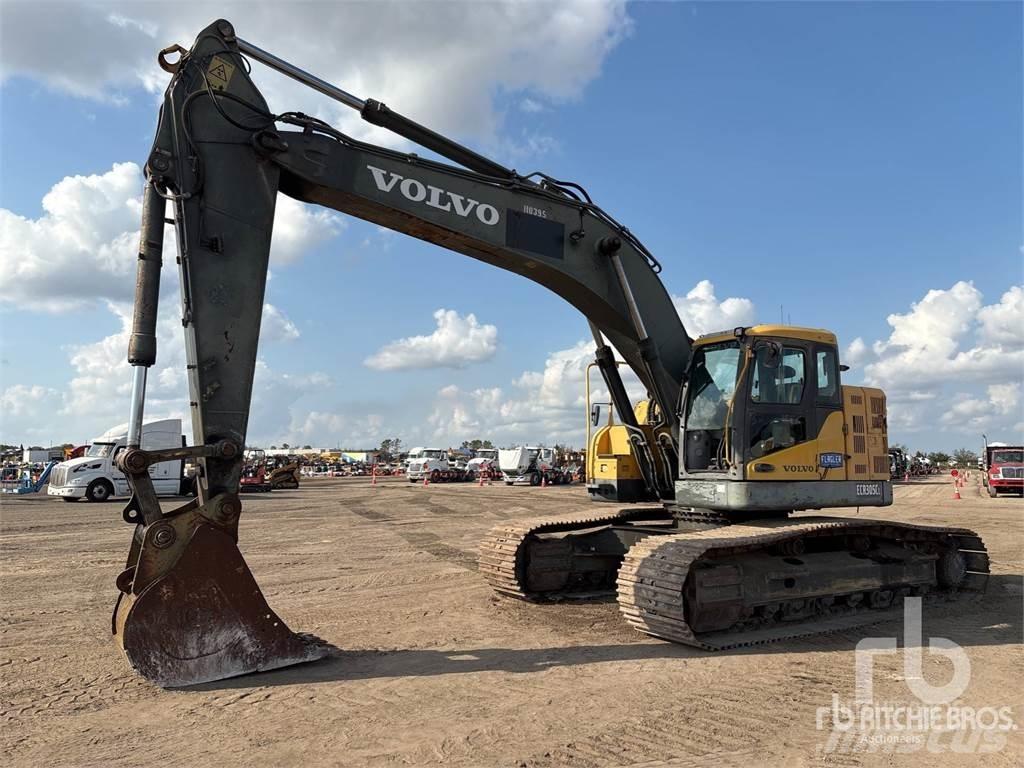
column 767, row 425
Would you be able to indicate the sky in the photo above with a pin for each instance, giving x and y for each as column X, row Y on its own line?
column 851, row 166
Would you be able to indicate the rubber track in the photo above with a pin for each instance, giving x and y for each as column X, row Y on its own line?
column 502, row 551
column 651, row 579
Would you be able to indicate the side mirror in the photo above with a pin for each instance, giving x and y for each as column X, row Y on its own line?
column 844, row 368
column 595, row 415
column 769, row 354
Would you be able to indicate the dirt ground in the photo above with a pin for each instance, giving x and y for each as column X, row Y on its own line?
column 434, row 669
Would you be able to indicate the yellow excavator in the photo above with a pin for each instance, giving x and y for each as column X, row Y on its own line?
column 739, row 430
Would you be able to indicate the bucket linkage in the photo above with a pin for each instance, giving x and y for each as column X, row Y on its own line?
column 189, row 610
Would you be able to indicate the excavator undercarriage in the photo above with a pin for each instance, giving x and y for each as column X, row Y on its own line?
column 695, row 578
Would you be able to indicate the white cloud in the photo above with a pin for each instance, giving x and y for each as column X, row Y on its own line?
column 455, row 343
column 273, row 397
column 24, row 414
column 98, row 394
column 1005, row 398
column 1003, row 323
column 300, row 227
column 19, row 399
column 546, row 405
column 543, row 405
column 47, row 41
column 950, row 340
column 924, row 349
column 550, row 405
column 977, row 413
column 701, row 312
column 83, row 249
column 348, row 430
column 540, row 406
column 439, row 63
column 935, row 324
column 276, row 326
column 857, row 353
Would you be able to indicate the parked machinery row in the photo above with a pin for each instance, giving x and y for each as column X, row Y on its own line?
column 524, row 465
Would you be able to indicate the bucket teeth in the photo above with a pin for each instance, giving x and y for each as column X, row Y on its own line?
column 205, row 619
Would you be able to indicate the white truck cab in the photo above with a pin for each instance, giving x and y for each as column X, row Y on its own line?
column 426, row 461
column 526, row 465
column 96, row 477
column 486, row 459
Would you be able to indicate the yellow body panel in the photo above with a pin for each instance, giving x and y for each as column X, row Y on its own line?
column 610, row 455
column 800, row 461
column 859, row 433
column 781, row 331
column 643, row 411
column 867, row 439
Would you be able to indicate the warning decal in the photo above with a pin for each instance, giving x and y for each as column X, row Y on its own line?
column 219, row 73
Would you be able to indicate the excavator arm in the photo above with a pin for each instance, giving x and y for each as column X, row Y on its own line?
column 189, row 609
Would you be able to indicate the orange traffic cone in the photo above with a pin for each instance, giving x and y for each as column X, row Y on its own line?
column 426, row 479
column 481, row 483
column 956, row 491
column 543, row 481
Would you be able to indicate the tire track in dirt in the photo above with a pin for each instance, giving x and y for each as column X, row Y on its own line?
column 423, row 540
column 75, row 694
column 727, row 719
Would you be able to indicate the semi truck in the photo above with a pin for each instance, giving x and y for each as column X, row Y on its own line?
column 485, row 461
column 432, row 463
column 95, row 475
column 1004, row 468
column 530, row 465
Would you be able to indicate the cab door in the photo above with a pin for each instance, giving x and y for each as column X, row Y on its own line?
column 795, row 417
column 780, row 416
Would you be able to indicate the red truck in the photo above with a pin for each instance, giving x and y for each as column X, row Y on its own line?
column 1004, row 468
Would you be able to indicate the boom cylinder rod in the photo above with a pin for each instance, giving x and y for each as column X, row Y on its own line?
column 378, row 113
column 138, row 406
column 627, row 291
column 648, row 350
column 142, row 343
column 301, row 75
column 604, row 358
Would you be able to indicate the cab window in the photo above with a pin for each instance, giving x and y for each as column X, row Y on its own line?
column 828, row 375
column 778, row 379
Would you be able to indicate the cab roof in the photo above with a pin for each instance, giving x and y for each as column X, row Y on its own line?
column 778, row 331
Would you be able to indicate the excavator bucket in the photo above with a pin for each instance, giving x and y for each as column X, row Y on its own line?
column 191, row 612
